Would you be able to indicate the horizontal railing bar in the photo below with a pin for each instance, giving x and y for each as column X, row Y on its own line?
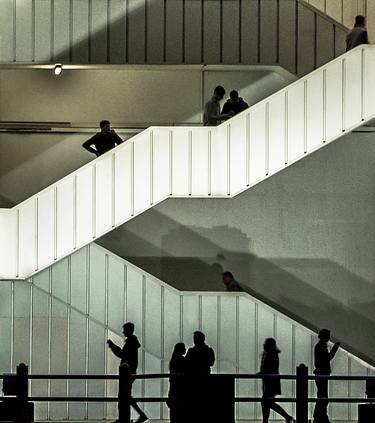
column 167, row 375
column 73, row 376
column 164, row 399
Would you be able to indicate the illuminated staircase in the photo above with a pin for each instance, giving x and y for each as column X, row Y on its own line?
column 172, row 162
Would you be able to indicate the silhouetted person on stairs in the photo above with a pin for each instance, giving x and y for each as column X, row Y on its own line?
column 235, row 104
column 230, row 283
column 103, row 141
column 271, row 386
column 358, row 35
column 129, row 355
column 322, row 358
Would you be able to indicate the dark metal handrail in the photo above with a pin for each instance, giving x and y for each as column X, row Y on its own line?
column 301, row 399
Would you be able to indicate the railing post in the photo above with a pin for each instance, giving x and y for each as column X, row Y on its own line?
column 124, row 393
column 302, row 394
column 22, row 389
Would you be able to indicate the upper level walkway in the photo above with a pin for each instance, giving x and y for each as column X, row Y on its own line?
column 204, row 162
column 290, row 33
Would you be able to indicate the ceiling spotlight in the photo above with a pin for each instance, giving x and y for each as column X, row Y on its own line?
column 57, row 69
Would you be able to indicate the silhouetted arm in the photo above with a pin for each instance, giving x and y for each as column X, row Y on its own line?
column 211, row 357
column 116, row 138
column 87, row 145
column 225, row 108
column 117, row 351
column 334, row 349
column 365, row 38
column 212, row 115
column 244, row 106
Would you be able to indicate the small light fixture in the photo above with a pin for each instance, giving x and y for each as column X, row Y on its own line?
column 57, row 69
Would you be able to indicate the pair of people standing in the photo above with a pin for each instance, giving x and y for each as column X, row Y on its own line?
column 213, row 116
column 198, row 361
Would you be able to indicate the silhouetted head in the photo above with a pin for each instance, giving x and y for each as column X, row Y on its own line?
column 219, row 92
column 270, row 345
column 128, row 329
column 360, row 20
column 227, row 278
column 179, row 349
column 234, row 97
column 199, row 338
column 324, row 335
column 105, row 125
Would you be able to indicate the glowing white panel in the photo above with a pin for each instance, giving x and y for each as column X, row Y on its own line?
column 276, row 110
column 27, row 237
column 296, row 123
column 77, row 362
column 134, row 298
column 84, row 206
column 171, row 320
column 46, row 228
column 238, row 153
column 246, row 354
column 21, row 322
column 65, row 217
column 58, row 350
column 97, row 276
column 210, row 321
column 123, row 183
column 104, row 194
column 116, row 293
column 352, row 99
column 161, row 163
column 199, row 162
column 228, row 332
column 153, row 333
column 284, row 337
column 152, row 387
column 257, row 144
column 340, row 367
column 315, row 111
column 190, row 323
column 96, row 361
column 8, row 243
column 333, row 111
column 265, row 325
column 219, row 160
column 369, row 83
column 357, row 388
column 142, row 173
column 180, row 162
column 303, row 347
column 39, row 346
column 112, row 385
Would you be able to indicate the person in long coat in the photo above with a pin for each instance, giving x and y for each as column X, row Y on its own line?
column 271, row 386
column 176, row 395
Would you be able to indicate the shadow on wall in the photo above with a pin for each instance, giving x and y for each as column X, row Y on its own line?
column 196, row 264
column 139, row 34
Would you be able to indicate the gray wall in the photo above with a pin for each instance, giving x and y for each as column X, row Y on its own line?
column 128, row 95
column 303, row 240
column 288, row 32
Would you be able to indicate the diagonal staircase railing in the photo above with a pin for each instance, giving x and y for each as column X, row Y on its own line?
column 167, row 162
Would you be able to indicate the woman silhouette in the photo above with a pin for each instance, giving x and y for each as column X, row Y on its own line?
column 271, row 386
column 176, row 393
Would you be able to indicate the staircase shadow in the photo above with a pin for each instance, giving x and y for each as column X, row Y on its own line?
column 188, row 261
